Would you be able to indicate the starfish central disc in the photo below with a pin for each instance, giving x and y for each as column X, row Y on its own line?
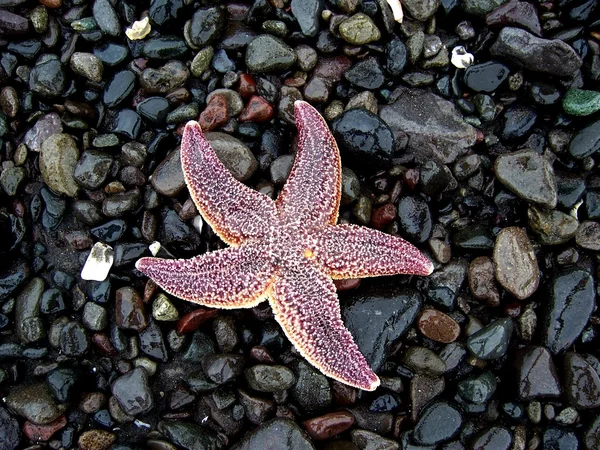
column 286, row 250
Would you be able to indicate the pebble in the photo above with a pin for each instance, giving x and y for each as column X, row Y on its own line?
column 166, row 47
column 481, row 280
column 439, row 422
column 588, row 235
column 87, row 65
column 98, row 263
column 311, row 392
column 92, row 169
column 152, row 342
column 154, row 109
column 553, row 57
column 496, row 437
column 257, row 110
column 438, row 326
column 366, row 74
column 328, row 425
column 96, row 440
column 582, row 382
column 206, row 25
column 570, row 302
column 581, row 102
column 95, row 317
column 424, row 361
column 537, row 374
column 74, row 341
column 364, row 139
column 11, row 180
column 359, row 29
column 267, row 53
column 43, row 432
column 285, row 432
column 129, row 309
column 516, row 265
column 35, row 403
column 223, row 367
column 119, row 88
column 428, row 120
column 586, row 141
column 48, row 78
column 215, row 114
column 106, row 17
column 234, row 154
column 478, row 389
column 165, row 78
column 520, row 14
column 167, row 178
column 415, row 218
column 553, row 227
column 486, row 77
column 308, row 14
column 529, row 175
column 189, row 435
column 491, row 342
column 10, row 433
column 559, row 438
column 133, row 392
column 365, row 440
column 30, row 327
column 265, row 378
column 163, row 310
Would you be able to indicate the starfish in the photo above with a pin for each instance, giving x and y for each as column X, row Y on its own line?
column 286, row 251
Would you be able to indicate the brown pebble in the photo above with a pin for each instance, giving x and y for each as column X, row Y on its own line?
column 96, row 440
column 261, row 354
column 35, row 432
column 247, row 86
column 383, row 215
column 482, row 280
column 51, row 3
column 215, row 114
column 92, row 402
column 343, row 395
column 103, row 343
column 257, row 110
column 438, row 326
column 129, row 309
column 328, row 425
column 347, row 284
column 192, row 320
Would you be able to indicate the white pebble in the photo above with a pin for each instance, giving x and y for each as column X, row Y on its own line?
column 98, row 263
column 198, row 222
column 154, row 248
column 461, row 58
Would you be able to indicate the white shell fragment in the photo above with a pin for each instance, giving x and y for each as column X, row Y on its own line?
column 461, row 58
column 154, row 248
column 139, row 29
column 198, row 222
column 98, row 263
column 396, row 10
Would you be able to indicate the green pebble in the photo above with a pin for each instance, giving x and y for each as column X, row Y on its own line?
column 39, row 19
column 359, row 30
column 276, row 27
column 202, row 61
column 85, row 24
column 581, row 102
column 183, row 114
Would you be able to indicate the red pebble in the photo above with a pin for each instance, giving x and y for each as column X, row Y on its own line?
column 247, row 86
column 257, row 110
column 149, row 290
column 411, row 178
column 43, row 432
column 383, row 215
column 347, row 284
column 102, row 342
column 328, row 425
column 215, row 114
column 192, row 320
column 261, row 354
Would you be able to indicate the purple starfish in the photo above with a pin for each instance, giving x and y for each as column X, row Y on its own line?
column 285, row 250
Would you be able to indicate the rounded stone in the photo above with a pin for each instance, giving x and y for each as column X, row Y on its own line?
column 264, row 378
column 438, row 326
column 359, row 29
column 515, row 262
column 267, row 53
column 87, row 65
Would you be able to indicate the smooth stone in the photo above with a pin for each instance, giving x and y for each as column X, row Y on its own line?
column 35, row 403
column 328, row 425
column 491, row 342
column 164, row 47
column 74, row 340
column 553, row 227
column 518, row 122
column 92, row 169
column 58, row 159
column 206, row 25
column 570, row 302
column 580, row 102
column 163, row 309
column 364, row 139
column 13, row 24
column 586, row 141
column 48, row 79
column 553, row 57
column 486, row 77
column 421, row 10
column 133, row 392
column 10, row 432
column 29, row 326
column 435, row 128
column 118, row 204
column 556, row 438
column 62, row 383
column 311, row 392
column 87, row 65
column 45, row 127
column 481, row 7
column 94, row 316
column 378, row 316
column 496, row 437
column 127, row 123
column 537, row 375
column 366, row 74
column 285, row 434
column 264, row 378
column 571, row 188
column 591, row 436
column 267, row 53
column 154, row 109
column 517, row 13
column 166, row 13
column 588, row 235
column 478, row 389
column 528, row 175
column 365, row 440
column 152, row 342
column 167, row 178
column 359, row 29
column 190, row 435
column 516, row 264
column 307, row 14
column 118, row 88
column 164, row 79
column 424, row 361
column 415, row 218
column 222, row 367
column 439, row 422
column 581, row 381
column 201, row 62
column 106, row 17
column 11, row 180
column 111, row 54
column 52, row 301
column 438, row 326
column 129, row 309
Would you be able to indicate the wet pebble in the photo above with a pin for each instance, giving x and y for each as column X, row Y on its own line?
column 133, row 392
column 35, row 403
column 496, row 437
column 189, row 435
column 491, row 342
column 130, row 311
column 537, row 374
column 48, row 78
column 516, row 265
column 285, row 432
column 438, row 326
column 415, row 218
column 586, row 141
column 359, row 29
column 87, row 65
column 96, row 440
column 328, row 425
column 234, row 154
column 58, row 158
column 582, row 381
column 267, row 53
column 74, row 340
column 92, row 169
column 581, row 102
column 439, row 423
column 486, row 77
column 265, row 378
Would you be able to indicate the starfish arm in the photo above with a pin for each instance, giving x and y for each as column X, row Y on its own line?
column 229, row 278
column 307, row 308
column 232, row 209
column 312, row 192
column 351, row 251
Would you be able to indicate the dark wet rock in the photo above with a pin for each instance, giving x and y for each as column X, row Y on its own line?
column 498, row 438
column 190, row 436
column 571, row 300
column 435, row 128
column 121, row 203
column 571, row 188
column 87, row 65
column 267, row 53
column 45, row 127
column 111, row 54
column 582, row 382
column 92, row 169
column 537, row 375
column 133, row 392
column 222, row 367
column 164, row 79
column 486, row 77
column 586, row 141
column 311, row 391
column 528, row 175
column 556, row 438
column 52, row 301
column 439, row 423
column 164, row 47
column 13, row 229
column 591, row 437
column 588, row 235
column 62, row 383
column 106, row 17
column 47, row 78
column 129, row 308
column 154, row 109
column 516, row 265
column 415, row 218
column 359, row 29
column 553, row 57
column 592, row 204
column 482, row 7
column 421, row 10
column 13, row 24
column 307, row 14
column 277, row 434
column 266, row 378
column 366, row 74
column 206, row 25
column 258, row 410
column 377, row 317
column 167, row 178
column 364, row 139
column 58, row 159
column 119, row 88
column 35, row 403
column 478, row 389
column 10, row 433
column 520, row 14
column 423, row 361
column 127, row 123
column 473, row 237
column 30, row 327
column 364, row 439
column 553, row 227
column 234, row 154
column 491, row 342
column 518, row 122
column 74, row 340
column 152, row 342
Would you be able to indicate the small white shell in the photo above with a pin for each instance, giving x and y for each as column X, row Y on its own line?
column 461, row 58
column 98, row 263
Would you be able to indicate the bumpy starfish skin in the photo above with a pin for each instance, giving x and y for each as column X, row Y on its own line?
column 286, row 250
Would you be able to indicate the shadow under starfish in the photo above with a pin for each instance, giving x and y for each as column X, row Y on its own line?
column 286, row 251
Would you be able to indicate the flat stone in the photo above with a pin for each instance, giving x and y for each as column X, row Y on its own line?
column 35, row 403
column 516, row 265
column 58, row 159
column 45, row 127
column 267, row 53
column 280, row 434
column 234, row 154
column 491, row 342
column 133, row 392
column 581, row 102
column 438, row 326
column 359, row 29
column 537, row 375
column 582, row 382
